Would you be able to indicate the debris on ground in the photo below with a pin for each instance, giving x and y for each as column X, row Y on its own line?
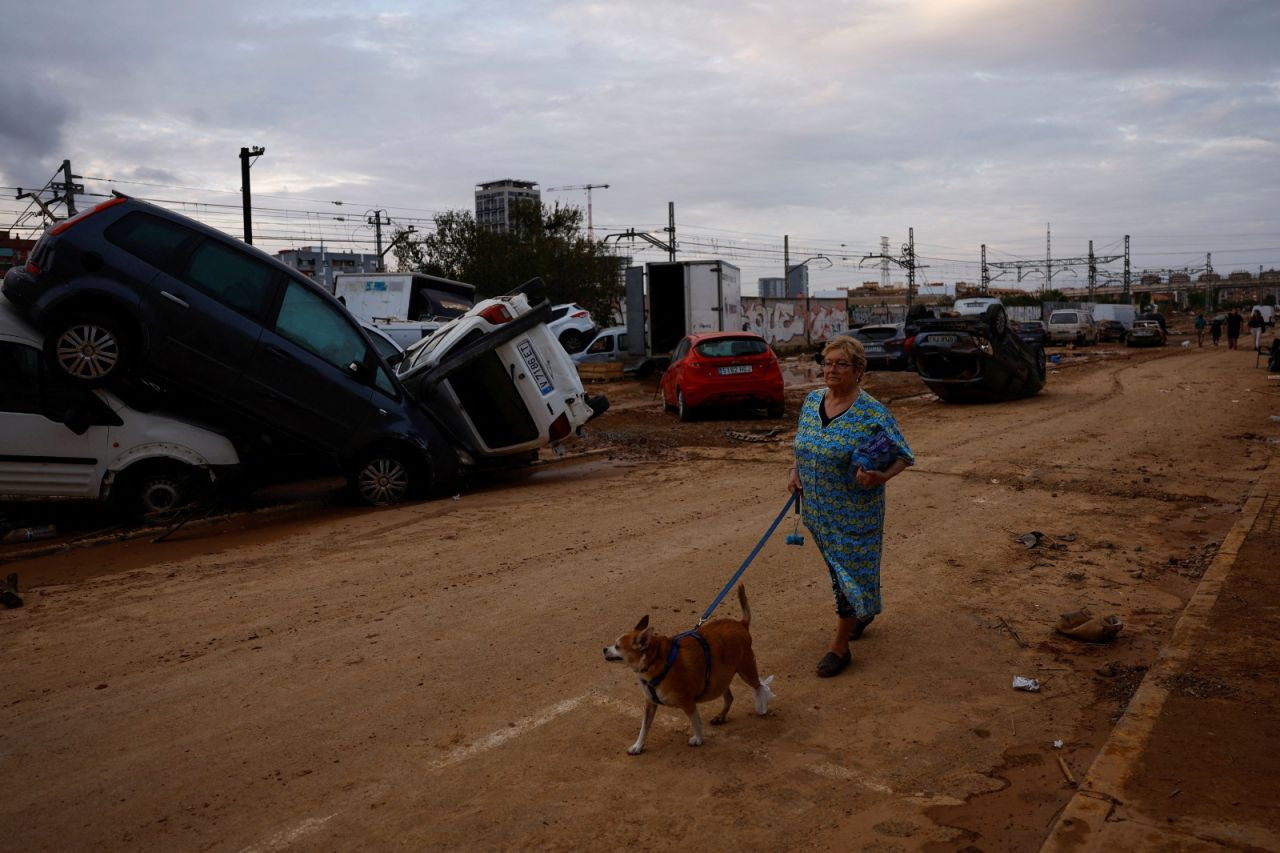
column 770, row 435
column 9, row 592
column 1083, row 625
column 1030, row 685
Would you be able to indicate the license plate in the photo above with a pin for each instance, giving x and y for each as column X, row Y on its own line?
column 941, row 339
column 536, row 370
column 737, row 368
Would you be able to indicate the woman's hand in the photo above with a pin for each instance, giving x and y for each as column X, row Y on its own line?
column 793, row 480
column 867, row 479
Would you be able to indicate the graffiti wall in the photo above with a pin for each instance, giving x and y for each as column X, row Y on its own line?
column 781, row 322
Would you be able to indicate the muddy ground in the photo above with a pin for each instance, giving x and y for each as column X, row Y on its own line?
column 316, row 676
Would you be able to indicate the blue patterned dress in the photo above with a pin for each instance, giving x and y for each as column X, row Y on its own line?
column 846, row 520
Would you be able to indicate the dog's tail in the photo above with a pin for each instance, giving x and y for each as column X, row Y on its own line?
column 746, row 610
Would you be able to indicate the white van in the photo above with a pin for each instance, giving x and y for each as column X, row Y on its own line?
column 1072, row 326
column 61, row 441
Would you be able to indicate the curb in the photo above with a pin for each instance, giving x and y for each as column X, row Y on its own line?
column 1081, row 825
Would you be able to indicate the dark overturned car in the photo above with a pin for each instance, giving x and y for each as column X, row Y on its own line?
column 974, row 357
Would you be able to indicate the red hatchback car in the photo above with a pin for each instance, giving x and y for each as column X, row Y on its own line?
column 722, row 369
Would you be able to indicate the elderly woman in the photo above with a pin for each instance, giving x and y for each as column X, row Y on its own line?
column 847, row 447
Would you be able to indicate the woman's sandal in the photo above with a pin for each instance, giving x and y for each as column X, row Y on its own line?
column 833, row 664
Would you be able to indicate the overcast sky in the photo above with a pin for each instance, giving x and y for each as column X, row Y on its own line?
column 971, row 121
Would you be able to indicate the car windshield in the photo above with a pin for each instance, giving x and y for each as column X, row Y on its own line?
column 729, row 347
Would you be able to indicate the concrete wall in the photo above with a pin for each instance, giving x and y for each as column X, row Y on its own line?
column 781, row 322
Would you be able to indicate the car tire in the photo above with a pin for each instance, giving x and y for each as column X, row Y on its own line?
column 683, row 410
column 998, row 320
column 385, row 477
column 1042, row 364
column 572, row 340
column 89, row 348
column 150, row 489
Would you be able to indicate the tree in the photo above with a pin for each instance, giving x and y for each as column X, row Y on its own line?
column 543, row 241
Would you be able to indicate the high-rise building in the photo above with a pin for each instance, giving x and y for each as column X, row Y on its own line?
column 496, row 199
column 771, row 287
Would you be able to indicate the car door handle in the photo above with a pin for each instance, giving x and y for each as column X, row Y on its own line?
column 174, row 299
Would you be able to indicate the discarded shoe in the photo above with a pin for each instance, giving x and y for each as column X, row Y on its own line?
column 1091, row 629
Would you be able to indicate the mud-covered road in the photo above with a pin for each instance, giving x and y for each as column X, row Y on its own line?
column 430, row 676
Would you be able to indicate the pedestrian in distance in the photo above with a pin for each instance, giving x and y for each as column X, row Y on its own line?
column 847, row 447
column 1255, row 325
column 1200, row 324
column 1234, row 322
column 1215, row 330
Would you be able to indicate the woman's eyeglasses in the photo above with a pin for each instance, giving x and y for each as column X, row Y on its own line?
column 837, row 365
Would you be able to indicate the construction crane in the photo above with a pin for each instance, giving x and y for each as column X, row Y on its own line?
column 588, row 187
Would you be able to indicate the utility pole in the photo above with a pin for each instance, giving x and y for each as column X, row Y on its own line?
column 377, row 222
column 671, row 231
column 69, row 188
column 884, row 264
column 986, row 271
column 911, row 266
column 1093, row 272
column 1048, row 258
column 1127, row 297
column 245, row 154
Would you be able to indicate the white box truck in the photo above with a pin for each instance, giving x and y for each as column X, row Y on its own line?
column 405, row 306
column 1126, row 314
column 668, row 300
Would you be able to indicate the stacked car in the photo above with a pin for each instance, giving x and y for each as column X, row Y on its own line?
column 162, row 308
column 975, row 357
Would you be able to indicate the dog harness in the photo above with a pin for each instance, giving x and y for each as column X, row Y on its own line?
column 652, row 684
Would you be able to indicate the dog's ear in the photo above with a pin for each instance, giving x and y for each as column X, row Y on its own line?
column 642, row 640
column 643, row 623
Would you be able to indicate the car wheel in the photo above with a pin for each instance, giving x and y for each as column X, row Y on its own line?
column 998, row 320
column 1042, row 363
column 384, row 478
column 89, row 349
column 572, row 340
column 685, row 413
column 157, row 489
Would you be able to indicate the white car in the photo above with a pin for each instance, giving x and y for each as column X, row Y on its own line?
column 607, row 346
column 571, row 324
column 62, row 441
column 498, row 381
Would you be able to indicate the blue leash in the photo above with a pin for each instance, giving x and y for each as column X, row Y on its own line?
column 772, row 527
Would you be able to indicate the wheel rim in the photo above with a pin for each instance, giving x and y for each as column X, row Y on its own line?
column 88, row 351
column 383, row 481
column 161, row 495
column 571, row 341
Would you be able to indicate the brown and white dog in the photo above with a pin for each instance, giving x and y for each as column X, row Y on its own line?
column 689, row 668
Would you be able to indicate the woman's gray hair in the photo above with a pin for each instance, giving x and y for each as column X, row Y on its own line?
column 850, row 348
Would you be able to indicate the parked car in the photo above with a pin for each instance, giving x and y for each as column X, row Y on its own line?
column 1033, row 332
column 1072, row 327
column 61, row 440
column 131, row 294
column 884, row 344
column 722, row 369
column 1145, row 333
column 1111, row 330
column 571, row 324
column 975, row 306
column 501, row 384
column 975, row 358
column 607, row 346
